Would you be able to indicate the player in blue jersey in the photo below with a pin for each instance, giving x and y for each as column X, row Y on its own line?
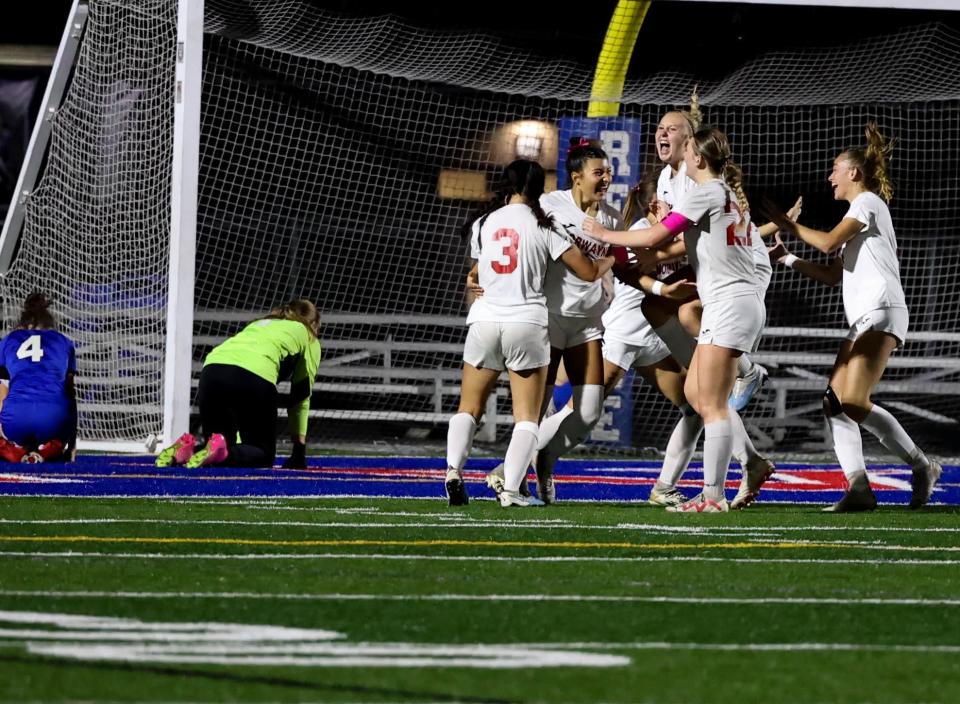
column 38, row 419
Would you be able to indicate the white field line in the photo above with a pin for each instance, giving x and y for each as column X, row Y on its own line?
column 467, row 558
column 758, row 647
column 601, row 598
column 459, row 522
column 317, row 524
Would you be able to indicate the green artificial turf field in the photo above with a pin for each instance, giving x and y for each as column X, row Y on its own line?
column 253, row 600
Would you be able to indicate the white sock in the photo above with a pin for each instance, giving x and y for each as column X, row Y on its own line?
column 743, row 448
column 744, row 365
column 717, row 449
column 680, row 448
column 549, row 425
column 460, row 440
column 892, row 436
column 523, row 442
column 576, row 427
column 848, row 445
column 677, row 340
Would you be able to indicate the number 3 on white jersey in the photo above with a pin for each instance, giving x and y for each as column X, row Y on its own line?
column 510, row 241
column 31, row 348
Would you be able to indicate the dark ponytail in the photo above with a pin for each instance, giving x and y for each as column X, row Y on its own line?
column 521, row 177
column 36, row 313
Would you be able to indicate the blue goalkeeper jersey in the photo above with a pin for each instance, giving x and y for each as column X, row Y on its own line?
column 37, row 363
column 37, row 408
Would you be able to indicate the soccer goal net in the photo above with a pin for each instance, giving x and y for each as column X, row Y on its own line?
column 339, row 156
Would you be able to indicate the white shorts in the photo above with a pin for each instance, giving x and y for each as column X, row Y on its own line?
column 764, row 281
column 627, row 355
column 734, row 323
column 893, row 321
column 515, row 346
column 573, row 332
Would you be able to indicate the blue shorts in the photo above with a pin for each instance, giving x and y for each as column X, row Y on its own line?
column 31, row 424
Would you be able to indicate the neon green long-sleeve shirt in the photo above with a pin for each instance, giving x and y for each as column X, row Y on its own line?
column 269, row 347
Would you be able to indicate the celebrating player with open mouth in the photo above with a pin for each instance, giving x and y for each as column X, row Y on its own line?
column 512, row 243
column 876, row 311
column 714, row 219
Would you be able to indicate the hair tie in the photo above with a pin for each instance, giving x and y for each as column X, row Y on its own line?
column 584, row 142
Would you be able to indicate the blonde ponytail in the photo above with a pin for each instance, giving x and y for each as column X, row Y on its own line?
column 694, row 115
column 300, row 310
column 871, row 161
column 876, row 154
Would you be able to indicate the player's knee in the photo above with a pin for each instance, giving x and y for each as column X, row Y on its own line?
column 831, row 403
column 856, row 410
column 689, row 315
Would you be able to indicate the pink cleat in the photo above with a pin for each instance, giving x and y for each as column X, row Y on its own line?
column 215, row 452
column 178, row 453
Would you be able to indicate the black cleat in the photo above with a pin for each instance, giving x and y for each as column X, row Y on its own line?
column 854, row 501
column 457, row 492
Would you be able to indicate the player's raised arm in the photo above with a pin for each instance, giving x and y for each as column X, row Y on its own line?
column 830, row 274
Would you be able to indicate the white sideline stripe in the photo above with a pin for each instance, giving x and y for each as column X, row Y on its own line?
column 756, row 647
column 451, row 523
column 461, row 522
column 620, row 598
column 468, row 558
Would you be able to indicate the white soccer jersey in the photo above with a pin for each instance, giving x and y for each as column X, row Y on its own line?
column 568, row 295
column 871, row 269
column 718, row 242
column 624, row 319
column 512, row 252
column 761, row 259
column 670, row 188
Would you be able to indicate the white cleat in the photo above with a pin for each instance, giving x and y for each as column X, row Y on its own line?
column 496, row 480
column 923, row 482
column 758, row 470
column 515, row 498
column 672, row 497
column 701, row 504
column 746, row 386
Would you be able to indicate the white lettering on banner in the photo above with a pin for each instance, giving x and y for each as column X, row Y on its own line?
column 616, row 143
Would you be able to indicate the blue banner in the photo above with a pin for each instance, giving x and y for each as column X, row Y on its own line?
column 615, row 426
column 621, row 138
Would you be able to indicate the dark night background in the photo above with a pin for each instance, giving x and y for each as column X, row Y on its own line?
column 746, row 31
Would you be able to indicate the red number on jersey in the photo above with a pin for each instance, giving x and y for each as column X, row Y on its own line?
column 734, row 239
column 509, row 250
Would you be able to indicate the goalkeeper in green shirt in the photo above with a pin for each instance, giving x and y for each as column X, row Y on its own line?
column 238, row 396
